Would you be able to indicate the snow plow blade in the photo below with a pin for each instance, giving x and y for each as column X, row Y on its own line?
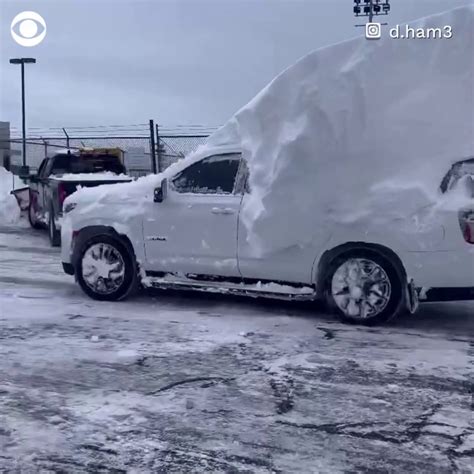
column 22, row 196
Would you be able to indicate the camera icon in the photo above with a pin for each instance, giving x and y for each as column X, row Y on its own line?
column 373, row 30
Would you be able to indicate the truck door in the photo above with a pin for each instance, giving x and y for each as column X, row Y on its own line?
column 195, row 229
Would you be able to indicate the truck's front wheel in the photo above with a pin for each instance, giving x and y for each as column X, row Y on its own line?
column 106, row 269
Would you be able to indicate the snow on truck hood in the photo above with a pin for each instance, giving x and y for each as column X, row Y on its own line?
column 105, row 176
column 351, row 130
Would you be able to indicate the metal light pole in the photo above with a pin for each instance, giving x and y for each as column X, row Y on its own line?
column 22, row 62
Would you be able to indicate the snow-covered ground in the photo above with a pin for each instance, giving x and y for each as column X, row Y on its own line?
column 172, row 382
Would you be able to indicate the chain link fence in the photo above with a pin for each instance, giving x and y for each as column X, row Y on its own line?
column 137, row 151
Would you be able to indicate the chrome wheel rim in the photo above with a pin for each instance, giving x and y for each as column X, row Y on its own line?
column 361, row 288
column 103, row 268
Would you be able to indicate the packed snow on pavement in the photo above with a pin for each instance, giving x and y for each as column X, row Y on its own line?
column 174, row 382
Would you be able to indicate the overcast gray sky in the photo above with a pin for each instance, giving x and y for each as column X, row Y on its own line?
column 177, row 61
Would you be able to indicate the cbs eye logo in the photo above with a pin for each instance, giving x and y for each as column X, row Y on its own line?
column 28, row 29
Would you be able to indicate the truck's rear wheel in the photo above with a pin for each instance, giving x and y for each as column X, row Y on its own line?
column 54, row 234
column 106, row 269
column 364, row 287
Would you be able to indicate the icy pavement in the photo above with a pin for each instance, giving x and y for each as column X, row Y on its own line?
column 172, row 382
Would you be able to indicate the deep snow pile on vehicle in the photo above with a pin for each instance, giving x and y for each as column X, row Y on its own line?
column 356, row 130
column 9, row 210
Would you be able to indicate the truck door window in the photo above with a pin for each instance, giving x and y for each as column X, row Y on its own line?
column 213, row 175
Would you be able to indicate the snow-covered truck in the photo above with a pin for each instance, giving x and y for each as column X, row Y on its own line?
column 347, row 179
column 61, row 175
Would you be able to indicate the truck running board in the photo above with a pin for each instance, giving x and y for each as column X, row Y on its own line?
column 255, row 290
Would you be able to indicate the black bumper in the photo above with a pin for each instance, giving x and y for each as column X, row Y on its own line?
column 449, row 294
column 68, row 268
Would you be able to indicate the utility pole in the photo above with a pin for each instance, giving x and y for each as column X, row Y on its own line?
column 22, row 62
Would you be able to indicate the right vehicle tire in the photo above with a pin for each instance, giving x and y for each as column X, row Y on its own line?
column 364, row 287
column 106, row 269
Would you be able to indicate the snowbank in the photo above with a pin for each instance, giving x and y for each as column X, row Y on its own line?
column 362, row 128
column 9, row 209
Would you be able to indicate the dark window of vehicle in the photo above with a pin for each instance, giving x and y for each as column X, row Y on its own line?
column 213, row 175
column 457, row 171
column 86, row 163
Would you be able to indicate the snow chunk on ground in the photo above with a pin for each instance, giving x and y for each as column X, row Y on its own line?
column 9, row 209
column 356, row 130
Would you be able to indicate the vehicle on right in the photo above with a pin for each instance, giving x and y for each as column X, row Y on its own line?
column 185, row 231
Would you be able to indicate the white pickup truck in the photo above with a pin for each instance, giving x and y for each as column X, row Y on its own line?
column 183, row 229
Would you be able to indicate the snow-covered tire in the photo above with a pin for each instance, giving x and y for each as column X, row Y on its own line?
column 54, row 234
column 90, row 272
column 364, row 287
column 32, row 217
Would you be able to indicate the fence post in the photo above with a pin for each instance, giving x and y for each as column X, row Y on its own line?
column 152, row 147
column 67, row 137
column 45, row 147
column 158, row 149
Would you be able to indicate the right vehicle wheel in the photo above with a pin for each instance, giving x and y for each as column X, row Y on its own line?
column 106, row 269
column 364, row 287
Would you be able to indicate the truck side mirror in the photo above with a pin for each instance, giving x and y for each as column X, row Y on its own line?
column 161, row 191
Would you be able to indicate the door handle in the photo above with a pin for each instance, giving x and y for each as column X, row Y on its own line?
column 222, row 210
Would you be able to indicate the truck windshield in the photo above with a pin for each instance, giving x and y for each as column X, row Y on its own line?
column 85, row 163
